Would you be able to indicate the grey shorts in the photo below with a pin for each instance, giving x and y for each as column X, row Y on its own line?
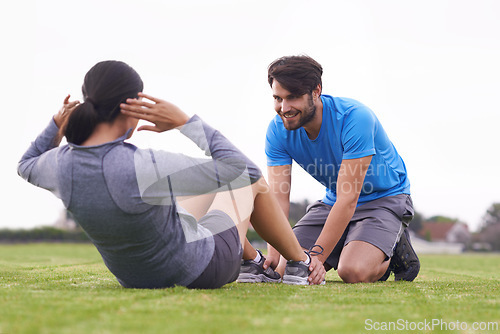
column 224, row 267
column 379, row 222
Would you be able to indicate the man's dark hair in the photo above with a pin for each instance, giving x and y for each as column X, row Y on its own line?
column 298, row 74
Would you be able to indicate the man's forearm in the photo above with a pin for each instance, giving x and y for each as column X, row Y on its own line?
column 335, row 225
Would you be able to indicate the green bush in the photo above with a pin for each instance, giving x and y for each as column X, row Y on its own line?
column 42, row 234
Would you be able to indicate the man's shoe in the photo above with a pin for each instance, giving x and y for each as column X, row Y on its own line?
column 405, row 262
column 253, row 272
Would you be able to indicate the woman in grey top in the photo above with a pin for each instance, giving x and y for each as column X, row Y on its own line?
column 157, row 218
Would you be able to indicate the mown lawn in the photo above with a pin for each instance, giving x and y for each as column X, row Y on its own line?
column 65, row 288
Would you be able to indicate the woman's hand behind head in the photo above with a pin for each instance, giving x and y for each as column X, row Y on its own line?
column 164, row 115
column 65, row 111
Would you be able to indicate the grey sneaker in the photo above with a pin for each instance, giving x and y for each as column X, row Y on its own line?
column 405, row 263
column 296, row 272
column 253, row 272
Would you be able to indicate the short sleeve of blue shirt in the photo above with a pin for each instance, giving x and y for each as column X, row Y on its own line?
column 358, row 133
column 276, row 153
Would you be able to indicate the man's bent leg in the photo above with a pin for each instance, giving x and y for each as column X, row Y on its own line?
column 361, row 262
column 386, row 221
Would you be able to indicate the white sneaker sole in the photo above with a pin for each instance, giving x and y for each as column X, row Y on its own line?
column 294, row 280
column 252, row 278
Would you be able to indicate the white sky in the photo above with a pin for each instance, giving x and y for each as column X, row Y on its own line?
column 429, row 69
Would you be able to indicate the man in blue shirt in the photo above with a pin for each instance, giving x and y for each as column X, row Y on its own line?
column 359, row 227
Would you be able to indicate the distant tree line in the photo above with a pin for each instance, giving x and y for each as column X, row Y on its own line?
column 42, row 234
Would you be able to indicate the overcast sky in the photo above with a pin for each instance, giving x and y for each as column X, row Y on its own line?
column 430, row 70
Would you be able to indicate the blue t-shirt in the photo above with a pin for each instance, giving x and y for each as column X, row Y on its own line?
column 349, row 130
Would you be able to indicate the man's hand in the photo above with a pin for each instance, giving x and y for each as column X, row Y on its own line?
column 272, row 258
column 65, row 111
column 271, row 261
column 164, row 115
column 318, row 272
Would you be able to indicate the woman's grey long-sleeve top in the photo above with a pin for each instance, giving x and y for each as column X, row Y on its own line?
column 124, row 199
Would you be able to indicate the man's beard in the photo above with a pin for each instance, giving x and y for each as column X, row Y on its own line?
column 305, row 115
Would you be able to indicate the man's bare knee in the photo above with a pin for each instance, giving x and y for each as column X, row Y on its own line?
column 353, row 273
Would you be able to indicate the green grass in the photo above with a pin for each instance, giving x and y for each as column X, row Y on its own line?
column 65, row 288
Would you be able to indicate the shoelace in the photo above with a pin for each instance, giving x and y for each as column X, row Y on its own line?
column 313, row 252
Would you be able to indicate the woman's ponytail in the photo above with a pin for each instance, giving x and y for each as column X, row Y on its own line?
column 81, row 123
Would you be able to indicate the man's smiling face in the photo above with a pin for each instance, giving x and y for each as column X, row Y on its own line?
column 295, row 111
